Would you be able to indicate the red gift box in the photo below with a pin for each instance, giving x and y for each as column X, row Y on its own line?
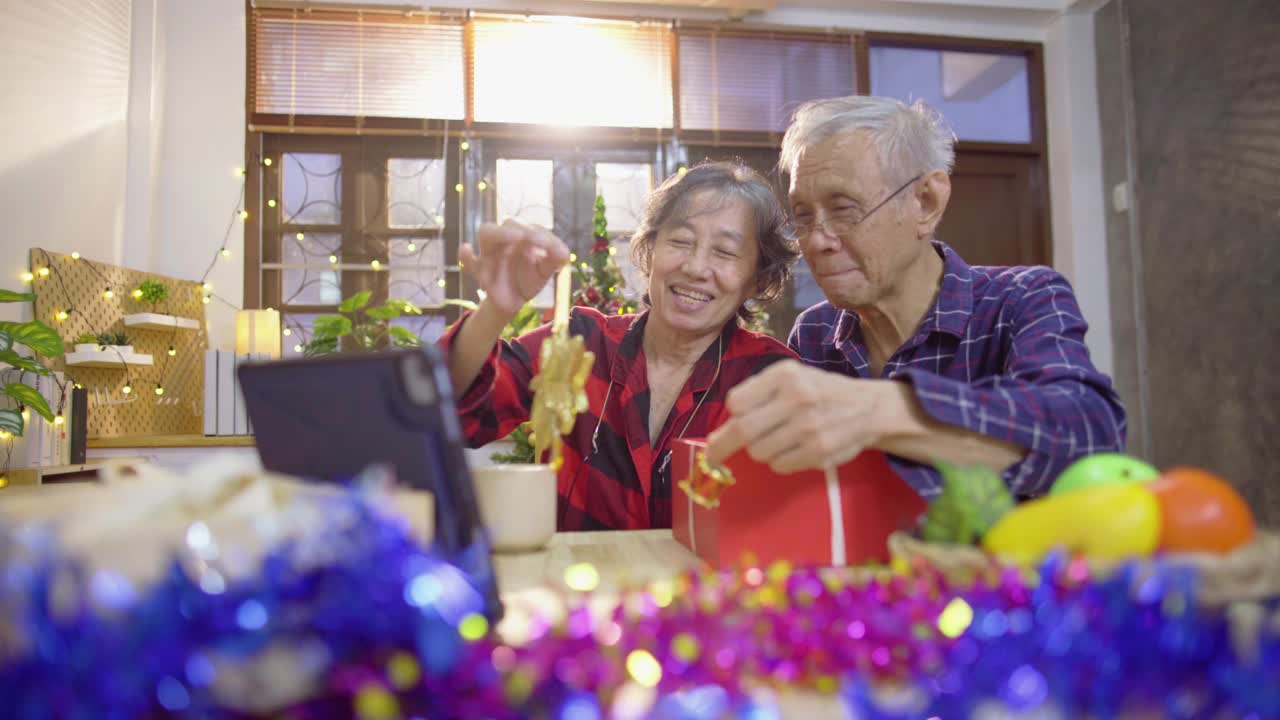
column 843, row 517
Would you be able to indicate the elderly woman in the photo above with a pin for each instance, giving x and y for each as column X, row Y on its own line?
column 713, row 244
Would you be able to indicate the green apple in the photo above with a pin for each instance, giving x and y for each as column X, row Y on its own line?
column 1103, row 469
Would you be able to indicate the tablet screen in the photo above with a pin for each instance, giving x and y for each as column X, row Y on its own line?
column 330, row 418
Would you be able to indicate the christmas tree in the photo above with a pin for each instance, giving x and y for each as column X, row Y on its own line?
column 600, row 280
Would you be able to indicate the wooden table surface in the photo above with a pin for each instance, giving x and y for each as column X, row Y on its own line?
column 621, row 558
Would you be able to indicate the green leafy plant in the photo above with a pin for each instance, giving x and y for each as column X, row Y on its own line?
column 760, row 322
column 41, row 340
column 526, row 318
column 522, row 452
column 112, row 338
column 153, row 292
column 972, row 500
column 364, row 328
column 87, row 339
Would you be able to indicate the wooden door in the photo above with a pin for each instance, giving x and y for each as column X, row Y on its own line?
column 997, row 214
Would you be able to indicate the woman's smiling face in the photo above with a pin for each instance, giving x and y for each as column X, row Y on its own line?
column 704, row 266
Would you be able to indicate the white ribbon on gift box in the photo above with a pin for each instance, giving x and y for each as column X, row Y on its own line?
column 834, row 506
column 688, row 496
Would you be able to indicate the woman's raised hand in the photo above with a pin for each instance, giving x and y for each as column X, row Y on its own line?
column 515, row 262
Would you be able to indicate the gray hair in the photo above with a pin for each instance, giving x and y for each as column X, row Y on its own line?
column 911, row 139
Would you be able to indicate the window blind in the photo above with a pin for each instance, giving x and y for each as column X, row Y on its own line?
column 572, row 71
column 356, row 64
column 738, row 81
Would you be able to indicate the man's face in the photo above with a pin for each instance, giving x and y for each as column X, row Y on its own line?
column 836, row 183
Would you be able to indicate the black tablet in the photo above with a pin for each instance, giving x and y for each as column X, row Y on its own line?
column 330, row 417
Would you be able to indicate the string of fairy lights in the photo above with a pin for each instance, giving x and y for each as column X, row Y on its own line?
column 44, row 273
column 413, row 285
column 292, row 329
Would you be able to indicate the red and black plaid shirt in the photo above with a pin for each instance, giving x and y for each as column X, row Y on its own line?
column 621, row 480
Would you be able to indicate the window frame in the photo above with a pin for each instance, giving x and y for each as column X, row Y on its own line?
column 1037, row 151
column 364, row 187
column 668, row 146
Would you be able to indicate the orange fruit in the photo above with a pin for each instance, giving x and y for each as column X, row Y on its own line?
column 1200, row 512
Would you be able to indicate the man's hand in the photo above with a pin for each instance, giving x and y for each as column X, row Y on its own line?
column 794, row 417
column 514, row 263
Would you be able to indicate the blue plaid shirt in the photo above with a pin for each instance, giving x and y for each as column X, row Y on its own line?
column 1000, row 352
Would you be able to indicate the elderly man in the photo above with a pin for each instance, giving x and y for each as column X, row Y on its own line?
column 915, row 352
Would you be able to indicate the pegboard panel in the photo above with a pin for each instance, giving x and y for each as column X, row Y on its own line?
column 78, row 287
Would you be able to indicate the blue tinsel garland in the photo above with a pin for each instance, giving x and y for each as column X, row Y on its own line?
column 379, row 622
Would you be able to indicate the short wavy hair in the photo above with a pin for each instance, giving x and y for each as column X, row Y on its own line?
column 672, row 203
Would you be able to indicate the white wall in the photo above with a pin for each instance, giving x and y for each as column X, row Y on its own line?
column 1075, row 174
column 146, row 108
column 201, row 141
column 64, row 91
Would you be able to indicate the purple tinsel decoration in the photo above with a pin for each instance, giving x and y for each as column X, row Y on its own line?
column 379, row 622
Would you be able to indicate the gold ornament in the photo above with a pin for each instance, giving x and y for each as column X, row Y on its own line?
column 707, row 482
column 560, row 388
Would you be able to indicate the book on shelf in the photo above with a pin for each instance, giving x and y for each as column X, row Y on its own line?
column 226, row 392
column 210, row 392
column 79, row 422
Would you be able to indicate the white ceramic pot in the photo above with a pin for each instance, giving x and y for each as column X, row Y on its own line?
column 95, row 347
column 517, row 504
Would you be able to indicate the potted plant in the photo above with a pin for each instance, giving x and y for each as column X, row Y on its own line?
column 526, row 318
column 152, row 292
column 41, row 340
column 362, row 328
column 102, row 342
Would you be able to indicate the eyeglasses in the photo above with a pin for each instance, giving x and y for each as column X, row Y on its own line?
column 840, row 226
